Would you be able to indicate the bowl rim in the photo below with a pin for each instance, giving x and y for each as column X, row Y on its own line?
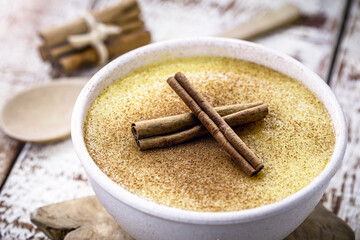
column 219, row 218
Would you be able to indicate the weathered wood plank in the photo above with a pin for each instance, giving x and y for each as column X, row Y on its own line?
column 310, row 41
column 343, row 193
column 21, row 67
column 9, row 149
column 50, row 173
column 42, row 175
column 20, row 64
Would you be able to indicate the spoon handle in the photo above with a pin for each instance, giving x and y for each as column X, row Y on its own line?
column 267, row 22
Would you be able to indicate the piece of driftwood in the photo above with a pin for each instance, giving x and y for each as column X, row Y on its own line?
column 85, row 218
column 322, row 224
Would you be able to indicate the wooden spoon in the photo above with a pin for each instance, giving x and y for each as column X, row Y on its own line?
column 269, row 21
column 42, row 113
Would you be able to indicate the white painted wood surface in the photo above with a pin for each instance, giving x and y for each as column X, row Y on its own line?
column 343, row 193
column 20, row 63
column 21, row 67
column 45, row 174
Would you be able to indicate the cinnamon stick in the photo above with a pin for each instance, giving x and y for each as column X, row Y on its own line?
column 116, row 46
column 235, row 119
column 176, row 123
column 128, row 16
column 56, row 35
column 213, row 122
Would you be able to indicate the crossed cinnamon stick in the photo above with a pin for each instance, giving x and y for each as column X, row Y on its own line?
column 216, row 125
column 173, row 130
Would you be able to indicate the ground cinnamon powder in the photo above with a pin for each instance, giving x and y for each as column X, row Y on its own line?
column 294, row 141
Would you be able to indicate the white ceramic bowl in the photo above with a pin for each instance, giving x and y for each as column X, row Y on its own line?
column 147, row 220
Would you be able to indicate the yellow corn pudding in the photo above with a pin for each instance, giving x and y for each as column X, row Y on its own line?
column 294, row 141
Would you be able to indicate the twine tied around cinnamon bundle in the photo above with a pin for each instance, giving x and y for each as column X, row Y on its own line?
column 66, row 59
column 97, row 33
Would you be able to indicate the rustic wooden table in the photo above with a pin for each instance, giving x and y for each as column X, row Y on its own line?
column 33, row 175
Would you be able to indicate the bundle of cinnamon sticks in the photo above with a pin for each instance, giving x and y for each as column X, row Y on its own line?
column 168, row 131
column 66, row 59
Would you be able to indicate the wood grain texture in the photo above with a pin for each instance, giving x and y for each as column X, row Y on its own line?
column 42, row 175
column 343, row 193
column 9, row 149
column 45, row 174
